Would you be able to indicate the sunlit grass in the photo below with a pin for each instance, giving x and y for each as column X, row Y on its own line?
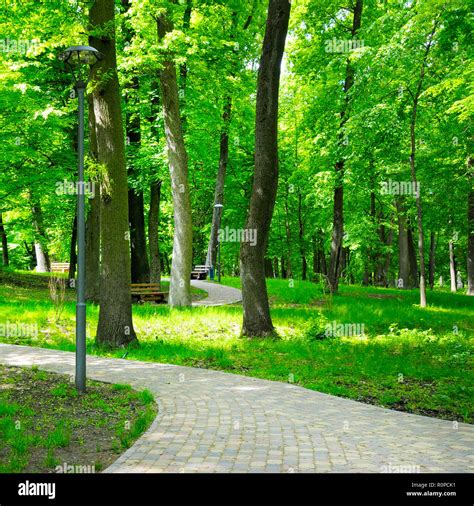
column 410, row 358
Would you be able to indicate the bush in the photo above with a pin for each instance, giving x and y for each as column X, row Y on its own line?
column 316, row 327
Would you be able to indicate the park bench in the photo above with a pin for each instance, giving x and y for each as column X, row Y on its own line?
column 143, row 292
column 60, row 267
column 199, row 272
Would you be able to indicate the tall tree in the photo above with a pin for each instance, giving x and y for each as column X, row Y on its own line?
column 257, row 320
column 419, row 210
column 180, row 285
column 338, row 202
column 470, row 227
column 115, row 327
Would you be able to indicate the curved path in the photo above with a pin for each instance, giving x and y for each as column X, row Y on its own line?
column 217, row 294
column 211, row 421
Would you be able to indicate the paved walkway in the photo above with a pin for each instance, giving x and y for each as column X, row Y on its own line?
column 217, row 295
column 211, row 421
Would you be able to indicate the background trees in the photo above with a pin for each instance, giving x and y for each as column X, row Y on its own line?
column 215, row 48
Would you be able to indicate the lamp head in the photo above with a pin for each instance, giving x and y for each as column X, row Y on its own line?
column 80, row 55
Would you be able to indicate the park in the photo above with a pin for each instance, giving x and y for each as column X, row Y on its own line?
column 237, row 237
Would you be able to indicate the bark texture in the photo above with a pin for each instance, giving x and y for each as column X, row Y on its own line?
column 115, row 327
column 257, row 320
column 180, row 286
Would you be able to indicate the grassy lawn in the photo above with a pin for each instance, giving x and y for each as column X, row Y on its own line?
column 44, row 423
column 409, row 358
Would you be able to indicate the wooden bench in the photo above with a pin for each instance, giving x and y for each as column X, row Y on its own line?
column 199, row 272
column 60, row 267
column 143, row 292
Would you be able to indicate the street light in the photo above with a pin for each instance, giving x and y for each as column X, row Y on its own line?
column 219, row 206
column 78, row 58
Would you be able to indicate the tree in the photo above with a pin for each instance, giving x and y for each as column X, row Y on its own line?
column 115, row 327
column 180, row 286
column 257, row 320
column 338, row 209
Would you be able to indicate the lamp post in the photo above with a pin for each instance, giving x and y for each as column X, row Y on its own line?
column 79, row 58
column 220, row 207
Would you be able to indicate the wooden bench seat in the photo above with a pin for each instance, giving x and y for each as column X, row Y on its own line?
column 59, row 266
column 199, row 272
column 144, row 292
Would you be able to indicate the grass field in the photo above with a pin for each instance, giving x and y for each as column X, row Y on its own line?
column 408, row 358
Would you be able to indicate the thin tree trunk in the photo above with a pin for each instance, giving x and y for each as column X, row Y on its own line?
column 470, row 228
column 412, row 257
column 153, row 232
column 115, row 327
column 180, row 286
column 403, row 258
column 419, row 210
column 268, row 268
column 3, row 235
column 257, row 320
column 452, row 267
column 220, row 180
column 72, row 250
column 432, row 262
column 338, row 199
column 275, row 267
column 304, row 264
column 41, row 241
column 140, row 269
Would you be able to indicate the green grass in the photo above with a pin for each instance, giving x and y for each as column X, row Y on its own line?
column 409, row 358
column 44, row 422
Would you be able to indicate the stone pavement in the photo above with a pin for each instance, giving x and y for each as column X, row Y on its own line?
column 211, row 421
column 217, row 295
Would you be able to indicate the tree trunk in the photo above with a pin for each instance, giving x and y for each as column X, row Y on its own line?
column 432, row 262
column 338, row 199
column 3, row 235
column 180, row 286
column 288, row 238
column 304, row 264
column 153, row 232
column 140, row 271
column 41, row 241
column 470, row 228
column 72, row 250
column 257, row 320
column 419, row 210
column 275, row 267
column 452, row 267
column 115, row 327
column 403, row 258
column 283, row 268
column 220, row 180
column 268, row 268
column 413, row 281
